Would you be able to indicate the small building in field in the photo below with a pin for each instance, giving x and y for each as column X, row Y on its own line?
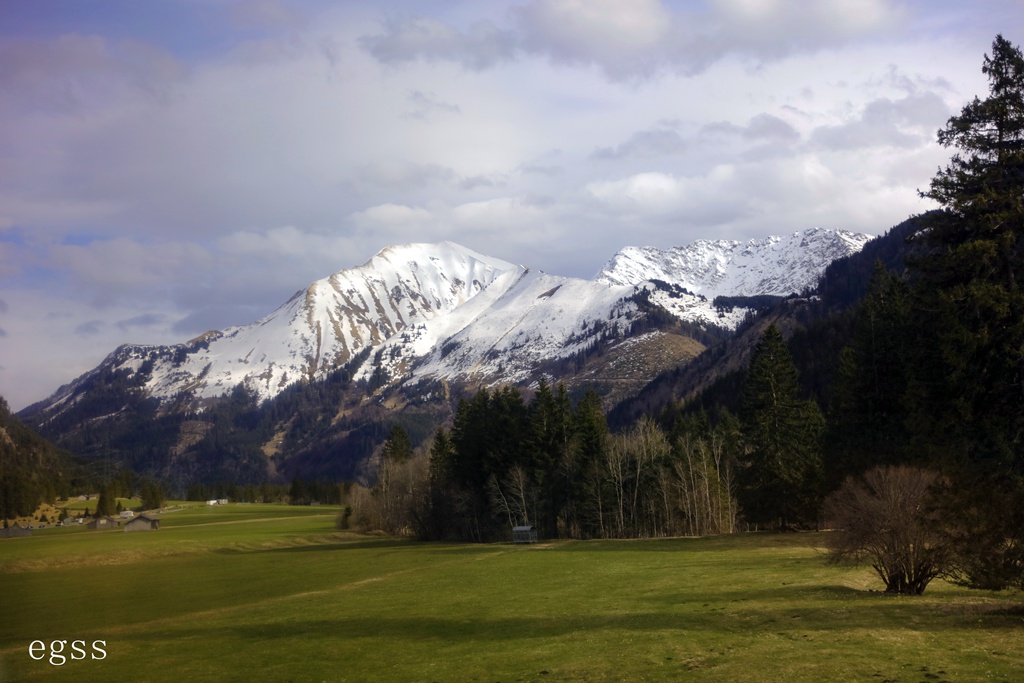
column 524, row 534
column 126, row 514
column 103, row 522
column 143, row 523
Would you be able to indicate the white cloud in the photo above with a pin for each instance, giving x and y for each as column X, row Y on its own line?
column 905, row 123
column 636, row 40
column 266, row 14
column 79, row 74
column 771, row 29
column 482, row 46
column 426, row 105
column 646, row 143
column 122, row 269
column 623, row 38
column 516, row 219
column 392, row 217
column 643, row 193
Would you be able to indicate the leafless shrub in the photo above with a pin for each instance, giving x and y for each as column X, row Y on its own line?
column 886, row 518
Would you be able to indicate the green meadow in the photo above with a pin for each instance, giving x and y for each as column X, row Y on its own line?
column 275, row 593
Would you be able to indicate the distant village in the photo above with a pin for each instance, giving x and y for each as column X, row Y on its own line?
column 69, row 514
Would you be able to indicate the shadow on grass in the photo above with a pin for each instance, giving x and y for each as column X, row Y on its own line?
column 734, row 542
column 327, row 546
column 878, row 617
column 366, row 545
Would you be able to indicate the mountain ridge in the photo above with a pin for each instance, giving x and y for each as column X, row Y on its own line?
column 730, row 267
column 444, row 311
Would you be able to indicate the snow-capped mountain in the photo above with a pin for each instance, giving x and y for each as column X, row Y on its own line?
column 706, row 269
column 442, row 311
column 774, row 265
column 319, row 329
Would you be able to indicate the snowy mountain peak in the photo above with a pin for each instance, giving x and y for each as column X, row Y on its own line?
column 320, row 328
column 442, row 311
column 773, row 265
column 445, row 256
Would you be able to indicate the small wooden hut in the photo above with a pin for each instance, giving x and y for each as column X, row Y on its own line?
column 524, row 534
column 103, row 522
column 143, row 523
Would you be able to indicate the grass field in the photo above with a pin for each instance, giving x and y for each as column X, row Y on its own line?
column 274, row 593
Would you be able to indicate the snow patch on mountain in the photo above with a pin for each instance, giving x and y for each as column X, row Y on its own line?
column 538, row 318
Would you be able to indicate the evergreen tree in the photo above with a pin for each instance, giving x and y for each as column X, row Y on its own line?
column 590, row 430
column 781, row 467
column 549, row 432
column 153, row 495
column 471, row 440
column 441, row 494
column 968, row 388
column 469, row 468
column 868, row 409
column 970, row 393
column 105, row 505
column 397, row 446
column 298, row 494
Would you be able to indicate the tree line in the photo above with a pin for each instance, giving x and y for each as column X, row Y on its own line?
column 552, row 463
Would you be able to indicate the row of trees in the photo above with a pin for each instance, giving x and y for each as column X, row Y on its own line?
column 553, row 464
column 126, row 485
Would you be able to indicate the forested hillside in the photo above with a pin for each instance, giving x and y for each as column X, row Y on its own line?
column 32, row 470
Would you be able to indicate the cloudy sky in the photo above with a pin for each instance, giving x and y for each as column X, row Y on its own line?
column 172, row 167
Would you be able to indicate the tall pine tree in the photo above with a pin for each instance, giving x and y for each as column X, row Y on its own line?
column 968, row 389
column 971, row 383
column 868, row 412
column 780, row 472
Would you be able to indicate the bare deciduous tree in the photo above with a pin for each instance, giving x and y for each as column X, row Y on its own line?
column 885, row 518
column 514, row 496
column 703, row 478
column 398, row 503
